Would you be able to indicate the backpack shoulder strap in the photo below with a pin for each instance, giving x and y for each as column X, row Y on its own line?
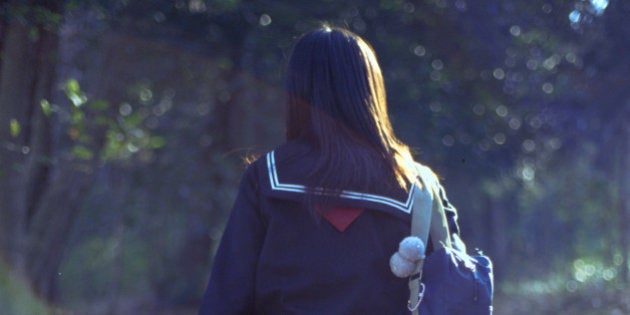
column 428, row 216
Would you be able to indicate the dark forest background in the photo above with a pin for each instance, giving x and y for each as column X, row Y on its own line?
column 124, row 123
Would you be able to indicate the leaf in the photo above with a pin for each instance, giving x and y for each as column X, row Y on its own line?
column 73, row 87
column 73, row 91
column 46, row 108
column 77, row 100
column 15, row 128
column 156, row 142
column 77, row 116
column 82, row 152
column 133, row 120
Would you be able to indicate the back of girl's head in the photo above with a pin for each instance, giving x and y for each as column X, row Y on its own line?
column 336, row 100
column 334, row 81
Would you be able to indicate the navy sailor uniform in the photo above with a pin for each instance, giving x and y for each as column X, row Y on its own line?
column 277, row 257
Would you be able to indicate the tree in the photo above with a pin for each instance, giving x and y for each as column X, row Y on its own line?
column 29, row 50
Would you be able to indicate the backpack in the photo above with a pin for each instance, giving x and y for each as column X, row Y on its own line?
column 448, row 281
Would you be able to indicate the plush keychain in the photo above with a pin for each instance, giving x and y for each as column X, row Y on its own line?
column 410, row 252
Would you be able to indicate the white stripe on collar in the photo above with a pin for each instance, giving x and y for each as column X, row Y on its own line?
column 276, row 185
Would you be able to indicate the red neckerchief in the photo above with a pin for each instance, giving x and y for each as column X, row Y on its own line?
column 341, row 217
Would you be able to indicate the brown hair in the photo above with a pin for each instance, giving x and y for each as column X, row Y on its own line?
column 336, row 101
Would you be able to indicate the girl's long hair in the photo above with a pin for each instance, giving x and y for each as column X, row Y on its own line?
column 336, row 102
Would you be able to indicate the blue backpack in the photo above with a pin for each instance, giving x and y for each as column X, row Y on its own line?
column 456, row 283
column 448, row 281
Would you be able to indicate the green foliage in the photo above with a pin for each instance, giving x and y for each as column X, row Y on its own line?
column 14, row 127
column 125, row 132
column 44, row 14
column 74, row 93
column 16, row 296
column 83, row 153
column 46, row 107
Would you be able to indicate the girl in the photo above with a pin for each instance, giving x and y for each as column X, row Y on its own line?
column 317, row 219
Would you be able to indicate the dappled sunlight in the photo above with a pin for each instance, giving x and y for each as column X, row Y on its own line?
column 583, row 12
column 593, row 270
column 587, row 286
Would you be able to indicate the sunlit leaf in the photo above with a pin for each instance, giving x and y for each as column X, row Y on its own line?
column 46, row 108
column 15, row 127
column 77, row 100
column 72, row 86
column 73, row 91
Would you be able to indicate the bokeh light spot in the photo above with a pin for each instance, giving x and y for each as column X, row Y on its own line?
column 575, row 16
column 264, row 20
column 125, row 109
column 419, row 51
column 529, row 145
column 498, row 74
column 448, row 140
column 501, row 110
column 547, row 88
column 499, row 138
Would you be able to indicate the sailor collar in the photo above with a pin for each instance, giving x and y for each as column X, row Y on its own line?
column 399, row 205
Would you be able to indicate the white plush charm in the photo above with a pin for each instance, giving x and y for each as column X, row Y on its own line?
column 401, row 267
column 410, row 251
column 411, row 248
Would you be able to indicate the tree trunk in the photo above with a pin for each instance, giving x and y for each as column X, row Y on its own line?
column 16, row 81
column 40, row 188
column 624, row 192
column 51, row 225
column 27, row 74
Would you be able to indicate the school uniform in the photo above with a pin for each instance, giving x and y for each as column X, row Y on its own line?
column 277, row 256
